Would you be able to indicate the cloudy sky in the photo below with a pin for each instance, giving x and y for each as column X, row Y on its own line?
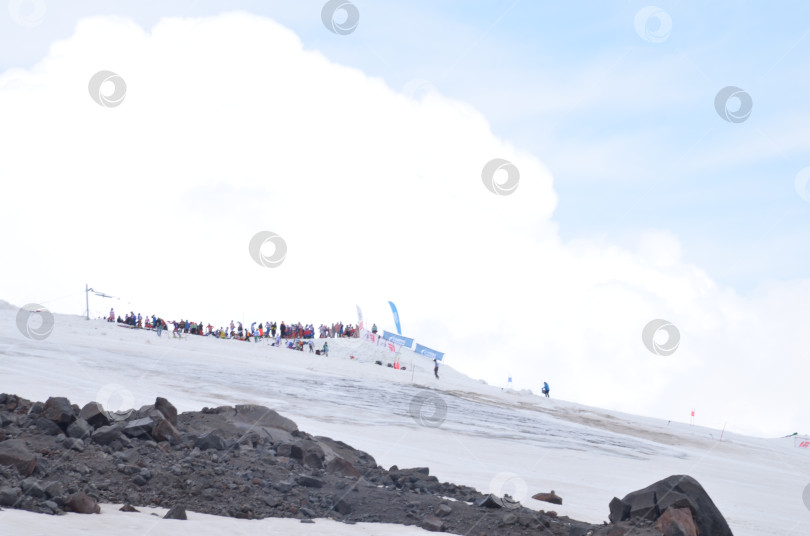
column 660, row 155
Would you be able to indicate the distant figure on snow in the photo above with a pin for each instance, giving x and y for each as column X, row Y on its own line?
column 436, row 368
column 546, row 389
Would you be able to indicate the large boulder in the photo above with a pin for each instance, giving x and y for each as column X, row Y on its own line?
column 341, row 467
column 139, row 427
column 263, row 417
column 59, row 410
column 82, row 503
column 107, row 434
column 14, row 453
column 164, row 431
column 677, row 492
column 47, row 426
column 94, row 414
column 79, row 429
column 167, row 409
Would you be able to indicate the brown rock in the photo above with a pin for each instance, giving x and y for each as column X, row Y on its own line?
column 13, row 452
column 81, row 503
column 339, row 466
column 677, row 522
column 128, row 508
column 167, row 409
column 552, row 497
column 165, row 431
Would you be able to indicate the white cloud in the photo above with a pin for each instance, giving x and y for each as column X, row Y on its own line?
column 229, row 127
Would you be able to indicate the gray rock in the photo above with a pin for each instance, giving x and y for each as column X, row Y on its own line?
column 32, row 487
column 14, row 453
column 290, row 450
column 210, row 440
column 36, row 409
column 443, row 510
column 53, row 489
column 107, row 434
column 8, row 496
column 490, row 501
column 47, row 426
column 707, row 517
column 59, row 410
column 309, row 481
column 433, row 524
column 176, row 512
column 73, row 443
column 79, row 429
column 94, row 414
column 139, row 427
column 619, row 510
column 262, row 417
column 343, row 508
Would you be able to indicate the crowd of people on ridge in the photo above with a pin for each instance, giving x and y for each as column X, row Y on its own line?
column 258, row 330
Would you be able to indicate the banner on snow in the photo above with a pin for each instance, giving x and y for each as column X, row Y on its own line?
column 433, row 354
column 398, row 339
column 396, row 316
column 376, row 340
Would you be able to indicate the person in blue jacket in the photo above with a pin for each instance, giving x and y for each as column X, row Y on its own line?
column 546, row 389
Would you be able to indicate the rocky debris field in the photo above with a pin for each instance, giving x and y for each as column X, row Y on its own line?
column 250, row 462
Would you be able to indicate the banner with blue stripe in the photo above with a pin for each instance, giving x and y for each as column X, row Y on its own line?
column 406, row 342
column 427, row 352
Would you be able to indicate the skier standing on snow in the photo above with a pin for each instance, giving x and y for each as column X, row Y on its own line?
column 546, row 389
column 436, row 368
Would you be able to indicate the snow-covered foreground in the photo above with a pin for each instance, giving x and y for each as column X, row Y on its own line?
column 494, row 440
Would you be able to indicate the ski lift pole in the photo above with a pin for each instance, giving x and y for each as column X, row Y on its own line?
column 87, row 291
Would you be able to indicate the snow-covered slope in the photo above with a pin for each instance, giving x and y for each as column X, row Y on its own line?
column 495, row 440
